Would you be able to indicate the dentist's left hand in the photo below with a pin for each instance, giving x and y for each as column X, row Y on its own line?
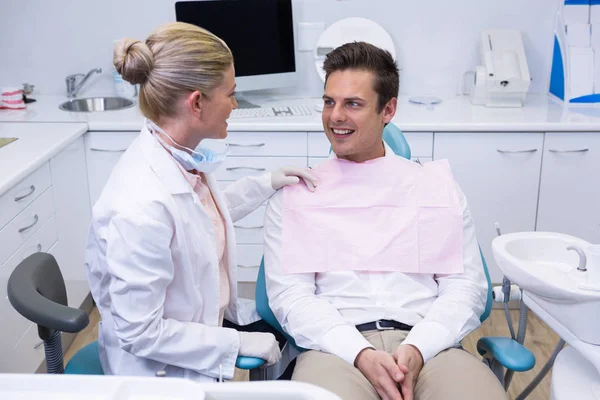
column 260, row 345
column 292, row 175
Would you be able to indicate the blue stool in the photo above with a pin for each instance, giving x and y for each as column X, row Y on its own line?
column 85, row 362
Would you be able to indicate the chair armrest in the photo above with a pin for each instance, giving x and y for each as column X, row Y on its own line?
column 509, row 353
column 248, row 363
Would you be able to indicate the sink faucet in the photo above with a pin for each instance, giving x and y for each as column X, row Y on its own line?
column 71, row 80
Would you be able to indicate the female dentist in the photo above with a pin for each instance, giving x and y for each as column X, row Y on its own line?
column 161, row 254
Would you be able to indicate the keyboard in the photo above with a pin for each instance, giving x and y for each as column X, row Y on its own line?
column 268, row 112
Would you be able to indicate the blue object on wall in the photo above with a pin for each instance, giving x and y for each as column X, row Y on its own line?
column 578, row 2
column 557, row 75
column 590, row 98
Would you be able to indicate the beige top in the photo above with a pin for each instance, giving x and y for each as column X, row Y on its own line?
column 198, row 182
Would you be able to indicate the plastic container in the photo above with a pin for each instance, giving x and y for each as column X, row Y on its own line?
column 124, row 88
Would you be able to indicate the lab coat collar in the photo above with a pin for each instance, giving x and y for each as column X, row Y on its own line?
column 387, row 149
column 162, row 164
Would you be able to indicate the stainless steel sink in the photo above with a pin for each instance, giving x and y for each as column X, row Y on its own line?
column 91, row 104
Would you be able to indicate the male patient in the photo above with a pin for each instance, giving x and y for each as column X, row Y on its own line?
column 377, row 333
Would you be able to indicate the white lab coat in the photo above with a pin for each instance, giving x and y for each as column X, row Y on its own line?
column 153, row 268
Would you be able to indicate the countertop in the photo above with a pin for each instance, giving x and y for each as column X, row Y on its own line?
column 49, row 130
column 36, row 144
column 540, row 114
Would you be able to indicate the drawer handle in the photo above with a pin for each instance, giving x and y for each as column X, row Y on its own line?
column 248, row 266
column 31, row 190
column 516, row 151
column 569, row 151
column 26, row 254
column 246, row 145
column 107, row 150
column 35, row 221
column 248, row 227
column 251, row 168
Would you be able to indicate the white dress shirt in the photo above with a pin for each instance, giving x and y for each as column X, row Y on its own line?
column 320, row 310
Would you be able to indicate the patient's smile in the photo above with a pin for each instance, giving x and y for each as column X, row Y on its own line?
column 342, row 132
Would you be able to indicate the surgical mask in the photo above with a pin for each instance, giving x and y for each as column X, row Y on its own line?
column 203, row 158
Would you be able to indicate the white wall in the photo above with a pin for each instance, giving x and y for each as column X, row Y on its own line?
column 436, row 40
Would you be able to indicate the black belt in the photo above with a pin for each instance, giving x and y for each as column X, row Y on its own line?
column 383, row 325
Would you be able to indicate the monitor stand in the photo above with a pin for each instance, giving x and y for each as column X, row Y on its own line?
column 243, row 103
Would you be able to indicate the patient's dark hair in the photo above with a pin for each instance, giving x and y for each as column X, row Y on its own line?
column 365, row 56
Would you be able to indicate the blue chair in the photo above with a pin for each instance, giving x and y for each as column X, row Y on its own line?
column 36, row 290
column 498, row 352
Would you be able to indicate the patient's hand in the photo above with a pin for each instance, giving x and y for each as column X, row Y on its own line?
column 382, row 371
column 409, row 357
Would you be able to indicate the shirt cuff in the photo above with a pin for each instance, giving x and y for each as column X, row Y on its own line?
column 266, row 182
column 430, row 338
column 344, row 341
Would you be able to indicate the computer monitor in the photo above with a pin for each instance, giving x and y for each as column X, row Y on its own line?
column 260, row 34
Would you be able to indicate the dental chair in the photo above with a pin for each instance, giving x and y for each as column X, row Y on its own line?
column 36, row 290
column 503, row 355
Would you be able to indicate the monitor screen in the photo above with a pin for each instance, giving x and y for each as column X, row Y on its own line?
column 260, row 33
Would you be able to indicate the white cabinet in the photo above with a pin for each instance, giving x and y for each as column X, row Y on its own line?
column 23, row 193
column 53, row 217
column 252, row 154
column 234, row 168
column 499, row 174
column 102, row 151
column 73, row 216
column 570, row 190
column 270, row 144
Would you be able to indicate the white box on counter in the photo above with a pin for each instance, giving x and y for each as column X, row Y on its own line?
column 581, row 71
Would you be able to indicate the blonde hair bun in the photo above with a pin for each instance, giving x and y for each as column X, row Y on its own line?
column 133, row 59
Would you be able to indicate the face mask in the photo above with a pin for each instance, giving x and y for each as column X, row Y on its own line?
column 202, row 158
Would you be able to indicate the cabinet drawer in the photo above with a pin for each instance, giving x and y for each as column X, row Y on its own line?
column 29, row 352
column 499, row 174
column 278, row 144
column 23, row 193
column 103, row 142
column 234, row 168
column 249, row 230
column 249, row 257
column 13, row 323
column 26, row 224
column 102, row 152
column 318, row 144
column 569, row 191
column 420, row 143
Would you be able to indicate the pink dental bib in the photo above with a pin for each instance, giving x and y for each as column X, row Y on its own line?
column 386, row 214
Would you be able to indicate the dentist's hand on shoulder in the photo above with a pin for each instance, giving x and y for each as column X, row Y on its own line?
column 260, row 345
column 292, row 175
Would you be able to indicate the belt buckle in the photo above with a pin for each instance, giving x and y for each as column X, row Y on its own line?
column 383, row 328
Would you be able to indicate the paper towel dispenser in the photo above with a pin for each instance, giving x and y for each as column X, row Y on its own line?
column 503, row 78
